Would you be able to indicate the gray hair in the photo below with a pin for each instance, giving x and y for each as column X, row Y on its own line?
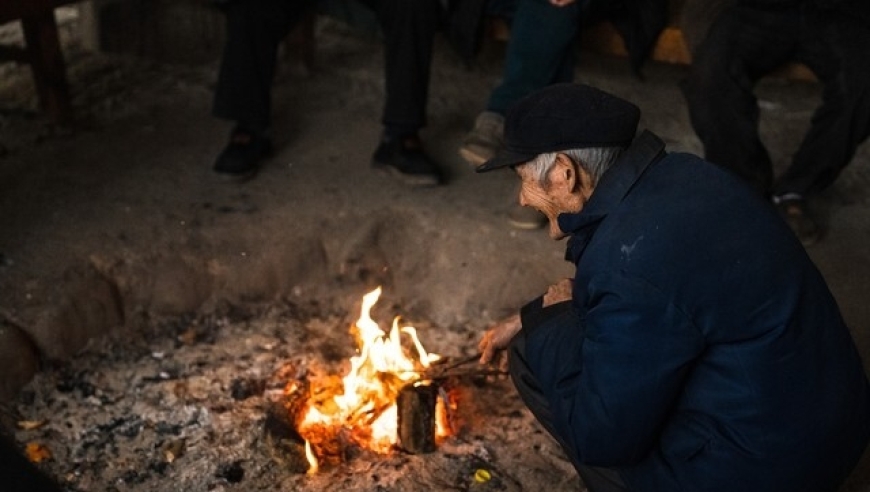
column 595, row 160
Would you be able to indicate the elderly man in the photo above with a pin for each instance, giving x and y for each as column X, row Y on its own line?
column 697, row 347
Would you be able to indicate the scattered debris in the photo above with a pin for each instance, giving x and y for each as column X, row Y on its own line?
column 31, row 424
column 173, row 450
column 36, row 452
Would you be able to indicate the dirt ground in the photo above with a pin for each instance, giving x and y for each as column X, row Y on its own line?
column 118, row 225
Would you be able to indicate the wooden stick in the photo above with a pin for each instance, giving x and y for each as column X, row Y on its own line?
column 437, row 371
column 458, row 374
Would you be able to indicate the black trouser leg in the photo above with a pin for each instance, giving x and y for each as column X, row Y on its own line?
column 254, row 30
column 594, row 478
column 409, row 28
column 836, row 48
column 742, row 45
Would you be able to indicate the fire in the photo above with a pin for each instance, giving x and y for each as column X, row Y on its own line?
column 314, row 466
column 364, row 407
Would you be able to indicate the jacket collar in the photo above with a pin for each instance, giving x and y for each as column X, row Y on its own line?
column 614, row 185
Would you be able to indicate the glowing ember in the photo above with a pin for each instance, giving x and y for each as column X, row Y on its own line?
column 363, row 407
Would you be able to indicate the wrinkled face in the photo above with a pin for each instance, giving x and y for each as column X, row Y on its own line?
column 568, row 189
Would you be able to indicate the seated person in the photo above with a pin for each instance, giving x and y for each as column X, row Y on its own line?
column 255, row 28
column 748, row 39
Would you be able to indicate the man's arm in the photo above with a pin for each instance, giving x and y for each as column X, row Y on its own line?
column 611, row 391
column 495, row 340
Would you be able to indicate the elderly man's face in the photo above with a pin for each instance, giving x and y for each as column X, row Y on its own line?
column 568, row 189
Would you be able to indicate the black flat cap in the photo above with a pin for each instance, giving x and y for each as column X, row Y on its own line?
column 562, row 117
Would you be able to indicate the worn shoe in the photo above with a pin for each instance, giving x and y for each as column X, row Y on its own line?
column 526, row 218
column 793, row 210
column 404, row 158
column 241, row 157
column 484, row 140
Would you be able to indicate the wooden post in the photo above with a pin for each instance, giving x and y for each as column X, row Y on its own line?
column 46, row 62
column 416, row 417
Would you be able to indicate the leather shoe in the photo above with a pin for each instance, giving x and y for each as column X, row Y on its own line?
column 241, row 157
column 404, row 158
column 794, row 212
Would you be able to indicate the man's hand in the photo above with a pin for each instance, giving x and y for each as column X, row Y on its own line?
column 561, row 291
column 494, row 342
column 561, row 3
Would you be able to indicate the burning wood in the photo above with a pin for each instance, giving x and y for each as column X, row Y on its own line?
column 416, row 417
column 382, row 397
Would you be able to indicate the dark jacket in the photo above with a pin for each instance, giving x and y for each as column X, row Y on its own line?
column 711, row 355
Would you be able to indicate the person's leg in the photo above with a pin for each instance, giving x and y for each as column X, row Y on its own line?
column 539, row 52
column 833, row 46
column 741, row 45
column 409, row 28
column 254, row 29
column 594, row 478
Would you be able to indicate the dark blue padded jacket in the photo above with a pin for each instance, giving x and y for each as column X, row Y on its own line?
column 710, row 354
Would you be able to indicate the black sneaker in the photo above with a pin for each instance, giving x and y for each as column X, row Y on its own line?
column 241, row 157
column 404, row 158
column 793, row 210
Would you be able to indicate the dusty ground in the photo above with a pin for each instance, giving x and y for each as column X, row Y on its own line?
column 119, row 225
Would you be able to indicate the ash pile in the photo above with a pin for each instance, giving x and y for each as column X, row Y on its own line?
column 194, row 405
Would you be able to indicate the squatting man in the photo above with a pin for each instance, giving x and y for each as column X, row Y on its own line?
column 697, row 347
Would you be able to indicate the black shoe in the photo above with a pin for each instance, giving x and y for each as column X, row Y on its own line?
column 404, row 158
column 794, row 211
column 241, row 157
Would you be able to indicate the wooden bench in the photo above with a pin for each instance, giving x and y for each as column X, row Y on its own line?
column 41, row 51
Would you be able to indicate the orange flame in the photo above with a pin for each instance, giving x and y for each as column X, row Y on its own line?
column 313, row 465
column 367, row 405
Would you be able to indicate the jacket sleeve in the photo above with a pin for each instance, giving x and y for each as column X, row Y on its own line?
column 611, row 396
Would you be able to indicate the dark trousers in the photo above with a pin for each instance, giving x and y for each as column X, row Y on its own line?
column 743, row 45
column 595, row 479
column 540, row 51
column 255, row 29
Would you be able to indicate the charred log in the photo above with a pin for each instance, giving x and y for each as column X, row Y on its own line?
column 416, row 417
